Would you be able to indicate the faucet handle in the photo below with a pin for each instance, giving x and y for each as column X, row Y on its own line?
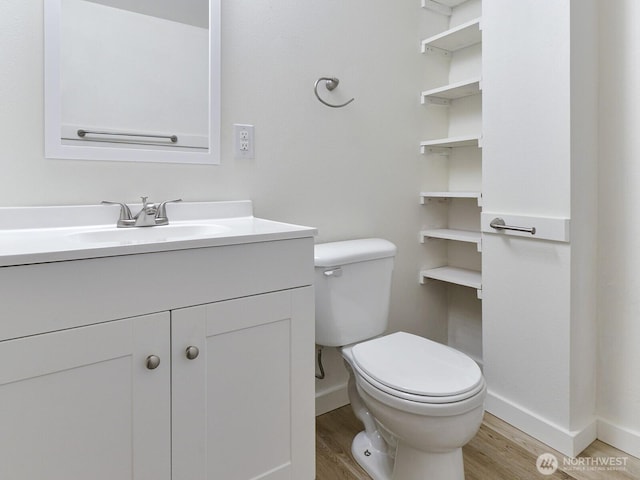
column 148, row 207
column 126, row 219
column 161, row 213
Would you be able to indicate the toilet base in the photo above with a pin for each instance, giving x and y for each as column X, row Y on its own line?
column 412, row 464
column 377, row 464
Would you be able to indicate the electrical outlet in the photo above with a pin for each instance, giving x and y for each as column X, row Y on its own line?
column 243, row 141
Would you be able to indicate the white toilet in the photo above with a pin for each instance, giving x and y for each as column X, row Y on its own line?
column 420, row 401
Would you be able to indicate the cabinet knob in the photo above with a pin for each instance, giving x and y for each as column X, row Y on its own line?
column 192, row 352
column 152, row 362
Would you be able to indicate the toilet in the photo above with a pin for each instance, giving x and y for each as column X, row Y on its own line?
column 420, row 401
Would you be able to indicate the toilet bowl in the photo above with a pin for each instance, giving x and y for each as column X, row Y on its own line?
column 420, row 401
column 426, row 400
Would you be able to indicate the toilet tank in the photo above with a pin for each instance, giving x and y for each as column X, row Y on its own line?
column 353, row 287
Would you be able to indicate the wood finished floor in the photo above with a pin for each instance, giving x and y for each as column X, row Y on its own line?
column 497, row 452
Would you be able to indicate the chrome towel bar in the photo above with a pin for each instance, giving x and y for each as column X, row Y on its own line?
column 173, row 138
column 498, row 224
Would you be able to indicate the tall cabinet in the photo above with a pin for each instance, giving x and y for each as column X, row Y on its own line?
column 540, row 118
column 452, row 156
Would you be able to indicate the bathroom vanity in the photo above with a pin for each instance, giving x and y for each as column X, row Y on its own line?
column 183, row 352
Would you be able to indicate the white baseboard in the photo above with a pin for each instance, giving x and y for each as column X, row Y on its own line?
column 619, row 437
column 332, row 398
column 569, row 443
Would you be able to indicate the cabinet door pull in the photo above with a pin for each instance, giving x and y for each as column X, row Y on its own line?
column 152, row 362
column 498, row 224
column 192, row 352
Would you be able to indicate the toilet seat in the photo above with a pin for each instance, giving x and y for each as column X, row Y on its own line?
column 416, row 369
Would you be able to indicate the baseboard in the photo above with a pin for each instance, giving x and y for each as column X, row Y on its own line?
column 569, row 443
column 619, row 437
column 332, row 398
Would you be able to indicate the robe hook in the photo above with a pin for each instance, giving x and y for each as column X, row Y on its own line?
column 330, row 83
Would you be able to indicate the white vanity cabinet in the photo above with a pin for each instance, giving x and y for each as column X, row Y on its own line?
column 80, row 403
column 232, row 397
column 235, row 414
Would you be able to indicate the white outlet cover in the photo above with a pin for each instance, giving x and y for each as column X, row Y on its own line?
column 243, row 141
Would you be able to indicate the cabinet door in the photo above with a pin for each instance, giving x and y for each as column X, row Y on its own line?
column 244, row 408
column 81, row 404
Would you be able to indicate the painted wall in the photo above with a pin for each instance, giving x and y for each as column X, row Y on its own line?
column 351, row 172
column 619, row 256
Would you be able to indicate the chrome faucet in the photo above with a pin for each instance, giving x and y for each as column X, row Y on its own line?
column 149, row 215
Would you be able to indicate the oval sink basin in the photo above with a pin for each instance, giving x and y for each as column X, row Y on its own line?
column 164, row 233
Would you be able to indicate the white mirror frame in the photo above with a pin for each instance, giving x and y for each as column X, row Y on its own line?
column 54, row 148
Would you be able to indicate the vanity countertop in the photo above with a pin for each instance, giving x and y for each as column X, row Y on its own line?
column 30, row 235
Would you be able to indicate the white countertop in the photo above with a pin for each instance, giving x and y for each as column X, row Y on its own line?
column 31, row 235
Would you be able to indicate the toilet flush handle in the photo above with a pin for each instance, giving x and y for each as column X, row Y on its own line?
column 333, row 272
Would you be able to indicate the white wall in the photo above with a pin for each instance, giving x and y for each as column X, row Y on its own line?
column 619, row 253
column 351, row 172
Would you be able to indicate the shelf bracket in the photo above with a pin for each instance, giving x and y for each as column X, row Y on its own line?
column 437, row 7
column 424, row 200
column 442, row 151
column 431, row 50
column 435, row 101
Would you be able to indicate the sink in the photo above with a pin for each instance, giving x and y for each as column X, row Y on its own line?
column 164, row 233
column 32, row 235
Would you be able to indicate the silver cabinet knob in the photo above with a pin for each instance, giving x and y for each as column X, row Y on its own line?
column 192, row 352
column 152, row 362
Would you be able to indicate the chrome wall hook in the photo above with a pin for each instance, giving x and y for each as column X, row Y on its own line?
column 330, row 83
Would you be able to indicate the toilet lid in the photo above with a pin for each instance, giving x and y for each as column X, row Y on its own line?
column 411, row 364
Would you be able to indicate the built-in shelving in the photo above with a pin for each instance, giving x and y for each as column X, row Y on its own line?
column 454, row 235
column 424, row 196
column 443, row 7
column 445, row 94
column 456, row 38
column 440, row 145
column 450, row 245
column 455, row 275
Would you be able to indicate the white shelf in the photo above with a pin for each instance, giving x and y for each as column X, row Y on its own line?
column 442, row 145
column 455, row 235
column 444, row 95
column 447, row 195
column 444, row 7
column 455, row 275
column 456, row 38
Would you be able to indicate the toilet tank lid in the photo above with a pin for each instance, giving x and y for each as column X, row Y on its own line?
column 334, row 254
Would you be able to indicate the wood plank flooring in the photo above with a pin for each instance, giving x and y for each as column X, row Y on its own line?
column 498, row 452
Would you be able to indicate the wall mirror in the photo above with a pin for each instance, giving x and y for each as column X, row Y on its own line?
column 132, row 80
